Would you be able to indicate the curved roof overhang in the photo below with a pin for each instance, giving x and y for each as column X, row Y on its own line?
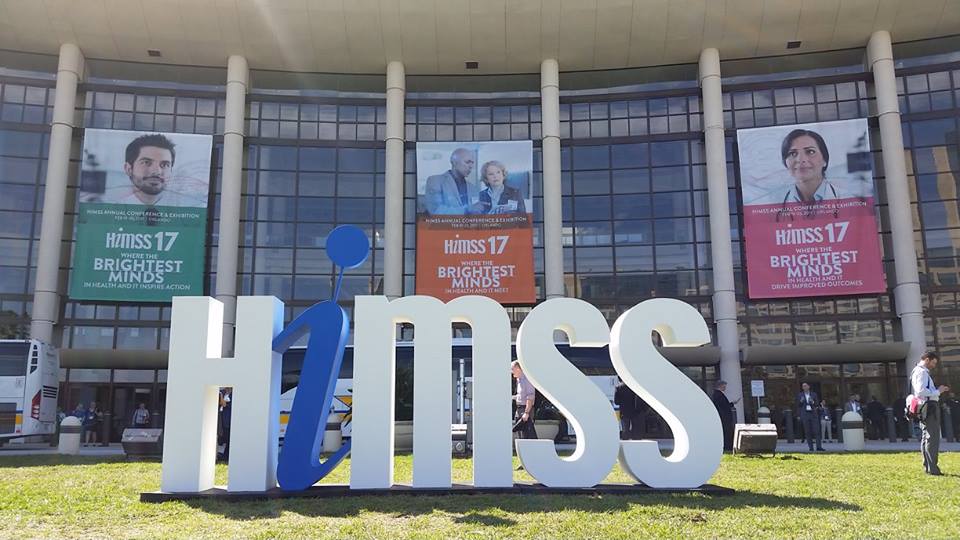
column 437, row 37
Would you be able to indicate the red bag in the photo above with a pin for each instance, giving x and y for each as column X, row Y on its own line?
column 912, row 409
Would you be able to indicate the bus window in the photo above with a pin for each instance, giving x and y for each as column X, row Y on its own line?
column 13, row 365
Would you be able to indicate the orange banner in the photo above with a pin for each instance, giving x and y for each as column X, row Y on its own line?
column 487, row 255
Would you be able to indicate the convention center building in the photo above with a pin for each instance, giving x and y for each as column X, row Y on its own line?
column 791, row 169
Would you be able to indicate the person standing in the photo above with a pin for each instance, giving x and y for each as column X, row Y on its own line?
column 853, row 405
column 92, row 424
column 876, row 416
column 923, row 388
column 226, row 413
column 807, row 404
column 626, row 400
column 725, row 410
column 525, row 397
column 826, row 421
column 903, row 426
column 141, row 416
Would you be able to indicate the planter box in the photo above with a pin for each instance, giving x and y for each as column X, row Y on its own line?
column 547, row 429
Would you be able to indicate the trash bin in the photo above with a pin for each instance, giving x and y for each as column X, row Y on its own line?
column 852, row 427
column 332, row 436
column 763, row 416
column 69, row 436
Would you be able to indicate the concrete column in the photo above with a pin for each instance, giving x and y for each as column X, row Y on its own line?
column 724, row 300
column 907, row 289
column 46, row 295
column 552, row 208
column 228, row 249
column 393, row 205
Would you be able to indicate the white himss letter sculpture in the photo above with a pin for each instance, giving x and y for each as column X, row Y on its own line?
column 374, row 375
column 698, row 436
column 196, row 370
column 584, row 405
column 697, row 432
column 195, row 373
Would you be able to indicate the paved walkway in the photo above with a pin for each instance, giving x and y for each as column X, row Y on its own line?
column 782, row 447
column 32, row 449
column 799, row 447
column 870, row 446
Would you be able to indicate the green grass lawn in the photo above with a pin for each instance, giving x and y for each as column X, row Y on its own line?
column 791, row 496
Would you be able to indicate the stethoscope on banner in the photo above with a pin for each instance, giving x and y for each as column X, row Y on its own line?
column 811, row 209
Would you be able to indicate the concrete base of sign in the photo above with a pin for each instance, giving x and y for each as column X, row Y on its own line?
column 343, row 490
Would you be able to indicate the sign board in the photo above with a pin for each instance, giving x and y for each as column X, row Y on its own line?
column 756, row 389
column 475, row 220
column 142, row 216
column 808, row 210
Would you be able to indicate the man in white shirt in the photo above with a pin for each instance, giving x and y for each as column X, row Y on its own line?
column 922, row 384
column 141, row 416
column 853, row 404
column 525, row 397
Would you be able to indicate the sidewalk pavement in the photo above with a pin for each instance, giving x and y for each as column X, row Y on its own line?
column 869, row 446
column 39, row 449
column 783, row 447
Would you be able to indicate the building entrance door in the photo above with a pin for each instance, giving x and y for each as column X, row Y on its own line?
column 126, row 399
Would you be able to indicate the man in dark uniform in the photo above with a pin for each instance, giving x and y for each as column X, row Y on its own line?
column 626, row 400
column 807, row 403
column 725, row 411
column 876, row 416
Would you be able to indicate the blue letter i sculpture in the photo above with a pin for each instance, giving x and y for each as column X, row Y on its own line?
column 328, row 325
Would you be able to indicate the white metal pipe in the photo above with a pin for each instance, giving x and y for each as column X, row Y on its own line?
column 552, row 208
column 393, row 203
column 907, row 289
column 46, row 295
column 228, row 249
column 724, row 299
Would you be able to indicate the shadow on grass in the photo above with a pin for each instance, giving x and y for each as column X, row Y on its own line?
column 487, row 520
column 476, row 508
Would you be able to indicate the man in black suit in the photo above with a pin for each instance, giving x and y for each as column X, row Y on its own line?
column 725, row 409
column 876, row 416
column 624, row 398
column 807, row 403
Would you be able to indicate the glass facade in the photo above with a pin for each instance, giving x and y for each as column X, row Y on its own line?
column 26, row 108
column 932, row 146
column 634, row 201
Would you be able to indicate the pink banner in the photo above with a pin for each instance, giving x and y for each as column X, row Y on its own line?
column 798, row 249
column 809, row 223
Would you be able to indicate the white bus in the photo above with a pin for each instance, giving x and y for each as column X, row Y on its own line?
column 29, row 382
column 461, row 373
